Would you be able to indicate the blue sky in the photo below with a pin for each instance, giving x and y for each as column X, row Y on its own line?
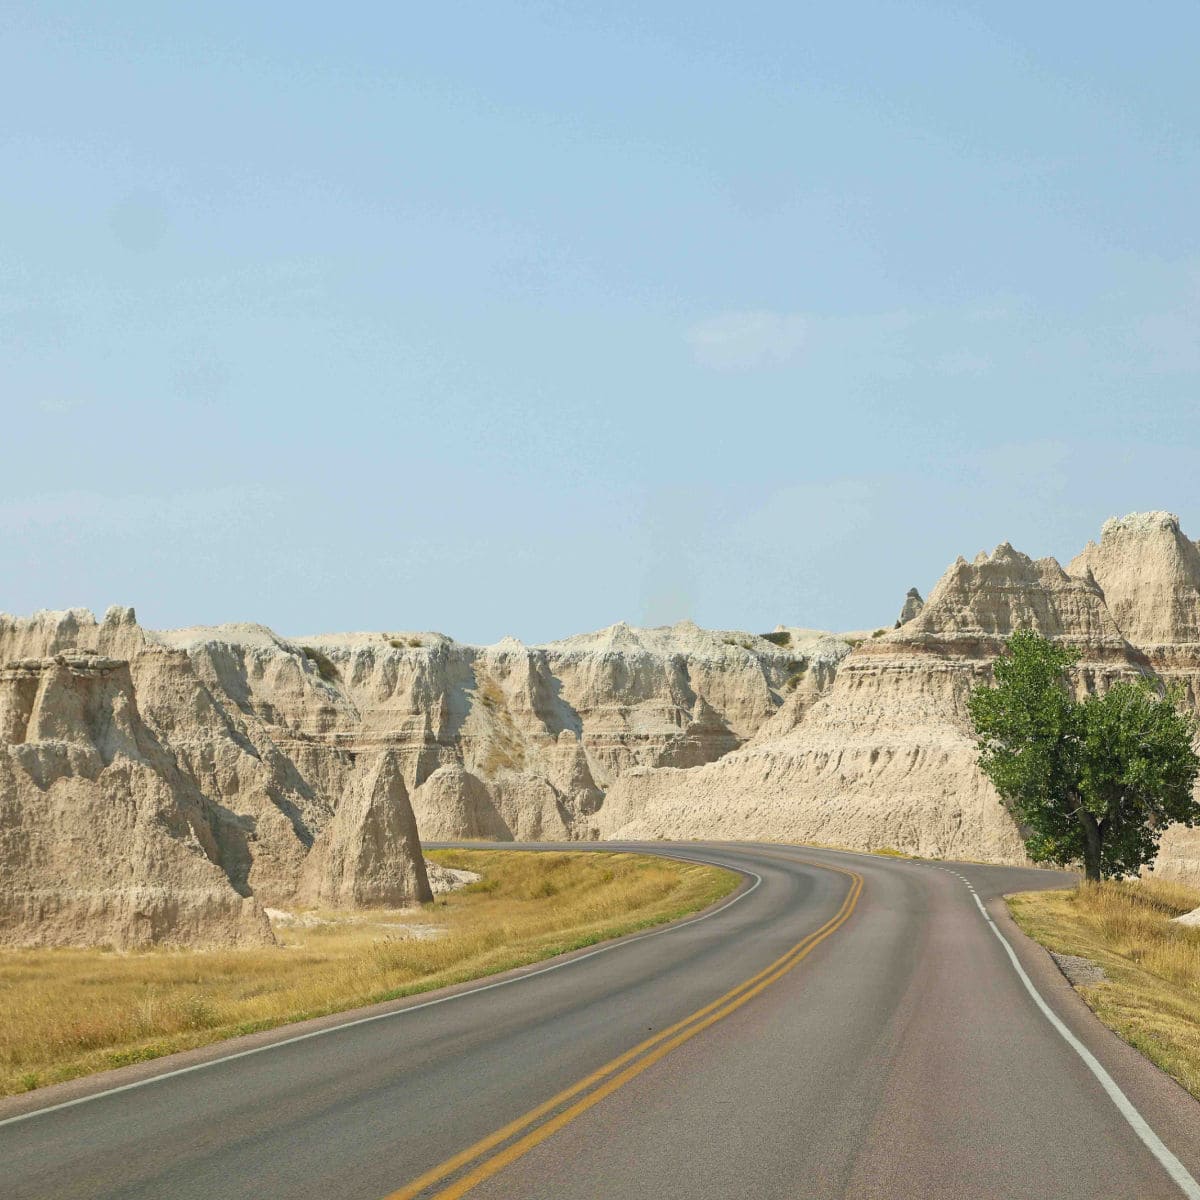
column 528, row 318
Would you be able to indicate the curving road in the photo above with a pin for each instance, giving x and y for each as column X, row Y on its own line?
column 845, row 1026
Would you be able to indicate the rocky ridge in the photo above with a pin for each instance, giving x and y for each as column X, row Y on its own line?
column 163, row 787
column 885, row 758
column 251, row 770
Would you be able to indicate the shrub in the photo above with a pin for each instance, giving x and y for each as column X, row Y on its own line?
column 324, row 664
column 799, row 668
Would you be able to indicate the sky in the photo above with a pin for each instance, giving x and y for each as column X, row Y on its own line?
column 522, row 319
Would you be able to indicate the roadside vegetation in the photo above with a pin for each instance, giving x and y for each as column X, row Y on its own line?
column 1151, row 996
column 65, row 1013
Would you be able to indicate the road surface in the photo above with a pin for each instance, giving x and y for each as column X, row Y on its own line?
column 845, row 1026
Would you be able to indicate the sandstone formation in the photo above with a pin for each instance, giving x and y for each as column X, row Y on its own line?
column 912, row 606
column 453, row 804
column 102, row 838
column 885, row 757
column 145, row 798
column 222, row 769
column 369, row 854
column 165, row 786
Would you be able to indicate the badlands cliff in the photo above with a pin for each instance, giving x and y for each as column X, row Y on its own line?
column 166, row 786
column 885, row 758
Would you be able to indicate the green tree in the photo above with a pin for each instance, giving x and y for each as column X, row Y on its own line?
column 1097, row 780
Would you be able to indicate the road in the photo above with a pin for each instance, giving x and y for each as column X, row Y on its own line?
column 846, row 1026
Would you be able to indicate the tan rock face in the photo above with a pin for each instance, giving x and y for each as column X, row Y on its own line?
column 885, row 756
column 1149, row 573
column 539, row 730
column 161, row 786
column 296, row 760
column 453, row 804
column 102, row 839
column 149, row 799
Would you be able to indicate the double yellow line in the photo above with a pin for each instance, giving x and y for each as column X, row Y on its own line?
column 620, row 1070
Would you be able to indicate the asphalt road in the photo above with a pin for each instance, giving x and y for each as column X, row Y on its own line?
column 848, row 1026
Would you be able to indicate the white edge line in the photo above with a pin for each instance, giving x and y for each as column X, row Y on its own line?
column 401, row 1012
column 1173, row 1167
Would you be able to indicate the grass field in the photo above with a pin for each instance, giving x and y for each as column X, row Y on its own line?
column 65, row 1013
column 1152, row 995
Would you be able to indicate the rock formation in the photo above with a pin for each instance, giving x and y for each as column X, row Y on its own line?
column 161, row 787
column 452, row 804
column 912, row 606
column 369, row 854
column 254, row 770
column 146, row 797
column 885, row 756
column 102, row 838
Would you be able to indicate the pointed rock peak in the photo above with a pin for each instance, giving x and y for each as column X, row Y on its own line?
column 568, row 737
column 1149, row 572
column 981, row 558
column 120, row 633
column 1005, row 553
column 369, row 855
column 509, row 643
column 622, row 634
column 913, row 603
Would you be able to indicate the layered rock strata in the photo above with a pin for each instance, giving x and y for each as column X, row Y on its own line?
column 103, row 839
column 143, row 800
column 163, row 787
column 885, row 756
column 276, row 772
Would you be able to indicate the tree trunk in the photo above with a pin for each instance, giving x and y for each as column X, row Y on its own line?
column 1092, row 843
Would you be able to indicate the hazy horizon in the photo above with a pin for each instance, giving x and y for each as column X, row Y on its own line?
column 525, row 319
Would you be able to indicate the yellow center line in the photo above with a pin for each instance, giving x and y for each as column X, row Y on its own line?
column 677, row 1034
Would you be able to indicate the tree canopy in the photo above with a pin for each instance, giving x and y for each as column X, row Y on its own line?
column 1096, row 780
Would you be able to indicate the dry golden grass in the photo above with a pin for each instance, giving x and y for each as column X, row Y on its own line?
column 65, row 1013
column 1152, row 996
